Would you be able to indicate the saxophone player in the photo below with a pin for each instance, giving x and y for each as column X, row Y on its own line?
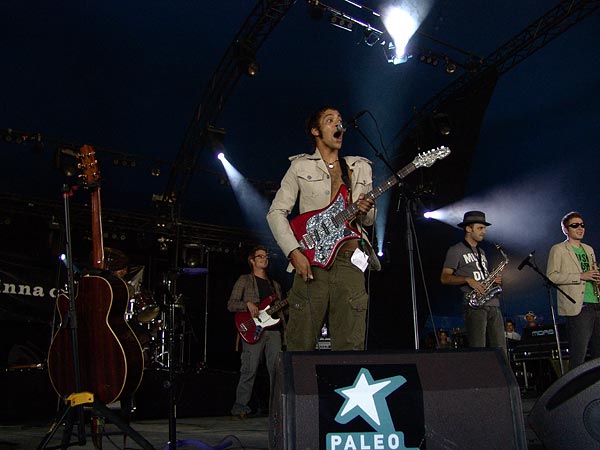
column 572, row 266
column 466, row 266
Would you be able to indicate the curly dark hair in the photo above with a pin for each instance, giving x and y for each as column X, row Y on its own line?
column 313, row 121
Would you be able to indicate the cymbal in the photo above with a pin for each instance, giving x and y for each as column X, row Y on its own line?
column 114, row 259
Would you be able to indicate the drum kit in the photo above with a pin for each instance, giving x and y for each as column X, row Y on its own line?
column 147, row 315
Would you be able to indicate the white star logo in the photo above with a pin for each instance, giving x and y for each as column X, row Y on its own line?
column 366, row 398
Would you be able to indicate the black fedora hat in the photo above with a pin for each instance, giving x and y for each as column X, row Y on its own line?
column 473, row 217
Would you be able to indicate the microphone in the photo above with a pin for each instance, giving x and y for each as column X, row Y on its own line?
column 525, row 262
column 343, row 126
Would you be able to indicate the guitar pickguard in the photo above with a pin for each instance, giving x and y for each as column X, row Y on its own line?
column 323, row 233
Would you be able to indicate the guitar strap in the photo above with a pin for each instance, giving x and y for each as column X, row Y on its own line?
column 478, row 255
column 345, row 177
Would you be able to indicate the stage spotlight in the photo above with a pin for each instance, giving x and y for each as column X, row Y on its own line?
column 315, row 12
column 442, row 123
column 221, row 156
column 193, row 255
column 371, row 37
column 214, row 140
column 37, row 146
column 391, row 55
column 246, row 57
column 427, row 214
column 450, row 67
column 401, row 26
column 340, row 22
column 65, row 160
column 155, row 171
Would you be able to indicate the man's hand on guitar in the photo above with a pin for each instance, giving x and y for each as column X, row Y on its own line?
column 364, row 205
column 300, row 262
column 252, row 309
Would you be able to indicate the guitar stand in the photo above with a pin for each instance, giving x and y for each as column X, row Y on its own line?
column 73, row 410
column 74, row 404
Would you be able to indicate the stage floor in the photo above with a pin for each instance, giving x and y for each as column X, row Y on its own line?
column 203, row 403
column 199, row 433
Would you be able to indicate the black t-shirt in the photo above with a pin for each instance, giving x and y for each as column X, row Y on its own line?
column 264, row 288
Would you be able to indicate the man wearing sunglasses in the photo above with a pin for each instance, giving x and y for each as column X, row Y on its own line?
column 572, row 265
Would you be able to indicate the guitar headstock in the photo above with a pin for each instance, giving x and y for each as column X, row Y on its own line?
column 88, row 165
column 426, row 159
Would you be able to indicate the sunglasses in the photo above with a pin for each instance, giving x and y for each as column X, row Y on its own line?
column 576, row 225
column 262, row 256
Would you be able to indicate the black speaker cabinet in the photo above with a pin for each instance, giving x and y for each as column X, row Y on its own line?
column 467, row 399
column 567, row 415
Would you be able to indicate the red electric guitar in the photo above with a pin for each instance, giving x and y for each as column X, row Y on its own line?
column 251, row 328
column 110, row 357
column 320, row 233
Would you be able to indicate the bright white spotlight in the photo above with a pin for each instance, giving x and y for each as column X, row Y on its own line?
column 401, row 27
column 437, row 215
column 380, row 253
column 401, row 22
column 221, row 156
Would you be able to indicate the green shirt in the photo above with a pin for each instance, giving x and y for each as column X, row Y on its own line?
column 590, row 296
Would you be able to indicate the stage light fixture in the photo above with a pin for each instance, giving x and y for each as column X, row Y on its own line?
column 391, row 55
column 37, row 145
column 214, row 140
column 450, row 66
column 65, row 160
column 338, row 21
column 442, row 123
column 245, row 54
column 193, row 255
column 155, row 171
column 371, row 36
column 315, row 11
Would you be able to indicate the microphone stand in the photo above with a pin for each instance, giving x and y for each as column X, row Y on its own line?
column 410, row 237
column 70, row 322
column 549, row 285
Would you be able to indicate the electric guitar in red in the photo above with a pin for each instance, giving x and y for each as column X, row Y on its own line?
column 320, row 233
column 251, row 328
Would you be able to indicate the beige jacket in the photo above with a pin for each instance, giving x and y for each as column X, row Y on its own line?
column 308, row 178
column 564, row 270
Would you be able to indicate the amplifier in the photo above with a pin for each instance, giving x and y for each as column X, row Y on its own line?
column 535, row 351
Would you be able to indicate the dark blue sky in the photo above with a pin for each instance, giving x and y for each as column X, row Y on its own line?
column 128, row 75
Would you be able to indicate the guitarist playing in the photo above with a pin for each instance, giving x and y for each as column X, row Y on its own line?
column 246, row 296
column 339, row 287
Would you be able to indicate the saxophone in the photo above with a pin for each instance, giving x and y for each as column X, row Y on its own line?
column 474, row 298
column 594, row 283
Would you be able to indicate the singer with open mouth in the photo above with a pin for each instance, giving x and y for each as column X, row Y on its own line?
column 336, row 287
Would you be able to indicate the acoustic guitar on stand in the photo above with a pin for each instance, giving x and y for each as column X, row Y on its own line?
column 110, row 357
column 251, row 328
